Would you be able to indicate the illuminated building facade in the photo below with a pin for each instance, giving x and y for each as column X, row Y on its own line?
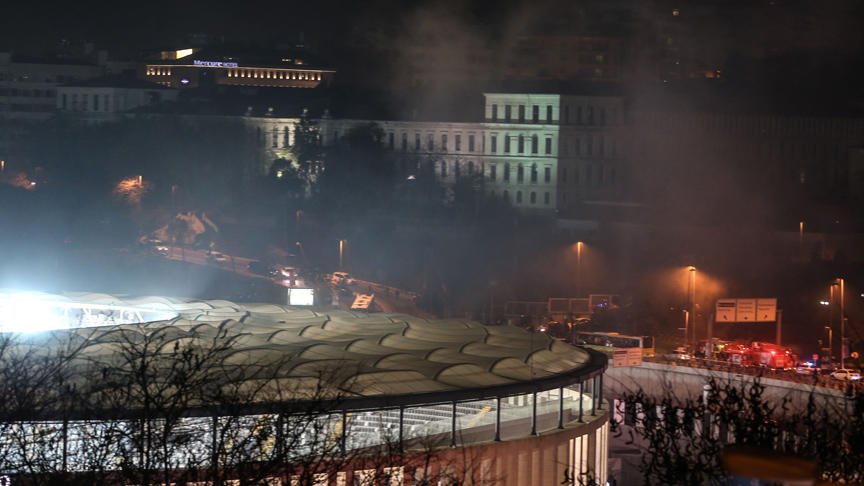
column 188, row 68
column 541, row 152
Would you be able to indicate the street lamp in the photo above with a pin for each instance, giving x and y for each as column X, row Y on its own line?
column 691, row 288
column 842, row 283
column 579, row 268
column 830, row 341
column 341, row 249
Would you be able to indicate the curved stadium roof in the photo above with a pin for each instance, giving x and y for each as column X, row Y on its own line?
column 370, row 360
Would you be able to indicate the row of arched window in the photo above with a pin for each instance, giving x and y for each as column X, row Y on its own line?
column 532, row 197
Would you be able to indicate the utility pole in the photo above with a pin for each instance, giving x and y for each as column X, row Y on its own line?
column 842, row 322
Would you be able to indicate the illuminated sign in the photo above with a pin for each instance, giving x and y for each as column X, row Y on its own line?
column 746, row 310
column 301, row 296
column 196, row 62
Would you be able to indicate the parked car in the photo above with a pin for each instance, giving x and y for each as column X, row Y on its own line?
column 339, row 278
column 680, row 354
column 844, row 374
column 804, row 369
column 215, row 256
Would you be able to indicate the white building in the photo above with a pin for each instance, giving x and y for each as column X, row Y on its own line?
column 542, row 152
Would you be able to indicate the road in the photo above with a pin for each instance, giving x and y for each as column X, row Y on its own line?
column 236, row 264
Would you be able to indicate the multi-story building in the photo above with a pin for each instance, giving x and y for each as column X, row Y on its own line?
column 104, row 98
column 541, row 152
column 28, row 87
column 191, row 68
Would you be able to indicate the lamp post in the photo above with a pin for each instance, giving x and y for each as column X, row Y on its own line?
column 842, row 283
column 341, row 249
column 830, row 341
column 691, row 287
column 579, row 268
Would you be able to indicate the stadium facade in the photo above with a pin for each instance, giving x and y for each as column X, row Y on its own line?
column 499, row 404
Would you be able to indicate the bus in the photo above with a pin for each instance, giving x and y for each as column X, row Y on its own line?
column 616, row 340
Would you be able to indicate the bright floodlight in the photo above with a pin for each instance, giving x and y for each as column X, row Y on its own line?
column 32, row 313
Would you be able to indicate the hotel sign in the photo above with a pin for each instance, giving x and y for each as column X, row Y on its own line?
column 197, row 62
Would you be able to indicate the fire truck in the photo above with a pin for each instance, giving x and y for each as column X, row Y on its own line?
column 765, row 355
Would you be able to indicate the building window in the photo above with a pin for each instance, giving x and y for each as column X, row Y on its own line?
column 547, row 174
column 548, row 146
column 521, row 113
column 535, row 113
column 506, row 172
column 417, row 142
column 457, row 139
column 493, row 172
column 404, row 142
column 274, row 139
column 533, row 172
column 390, row 143
column 470, row 143
column 443, row 169
column 534, row 144
column 521, row 144
column 508, row 112
column 430, row 142
column 533, row 197
column 519, row 197
column 493, row 143
column 546, row 198
column 520, row 173
column 95, row 102
column 506, row 144
column 549, row 113
column 494, row 112
column 444, row 142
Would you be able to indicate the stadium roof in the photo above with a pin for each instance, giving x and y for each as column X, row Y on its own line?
column 370, row 360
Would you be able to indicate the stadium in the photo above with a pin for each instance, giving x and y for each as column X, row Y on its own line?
column 129, row 386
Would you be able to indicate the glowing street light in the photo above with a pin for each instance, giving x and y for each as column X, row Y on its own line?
column 842, row 283
column 579, row 245
column 341, row 250
column 691, row 290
